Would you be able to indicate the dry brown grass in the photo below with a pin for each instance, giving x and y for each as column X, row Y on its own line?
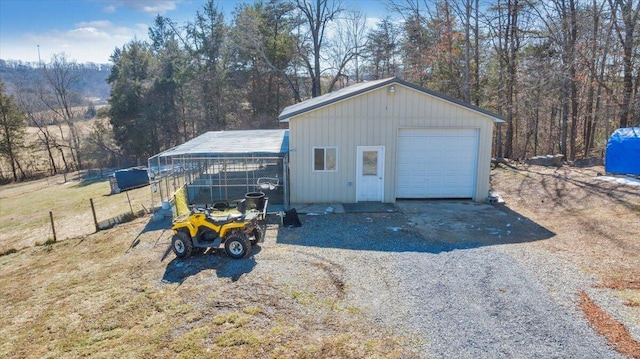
column 597, row 223
column 616, row 333
column 100, row 296
column 628, row 283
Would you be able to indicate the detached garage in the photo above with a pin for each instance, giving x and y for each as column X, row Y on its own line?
column 385, row 140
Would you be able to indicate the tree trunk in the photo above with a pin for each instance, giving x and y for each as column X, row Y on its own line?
column 467, row 52
column 513, row 44
column 630, row 17
column 573, row 35
column 476, row 56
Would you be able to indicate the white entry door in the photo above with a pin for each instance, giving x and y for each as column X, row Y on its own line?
column 370, row 173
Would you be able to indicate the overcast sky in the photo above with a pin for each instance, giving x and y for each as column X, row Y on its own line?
column 89, row 30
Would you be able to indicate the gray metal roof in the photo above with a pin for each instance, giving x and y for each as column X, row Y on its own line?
column 360, row 88
column 233, row 143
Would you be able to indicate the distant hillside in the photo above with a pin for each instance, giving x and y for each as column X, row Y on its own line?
column 92, row 84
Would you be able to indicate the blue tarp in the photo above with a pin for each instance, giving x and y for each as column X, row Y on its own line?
column 131, row 178
column 623, row 152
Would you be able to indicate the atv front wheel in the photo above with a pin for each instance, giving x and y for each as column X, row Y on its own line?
column 237, row 245
column 181, row 245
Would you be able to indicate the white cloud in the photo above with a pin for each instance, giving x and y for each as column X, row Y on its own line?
column 372, row 22
column 160, row 7
column 88, row 41
column 87, row 33
column 91, row 41
column 148, row 6
column 97, row 23
column 109, row 9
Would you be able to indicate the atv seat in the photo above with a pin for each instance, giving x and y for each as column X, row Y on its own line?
column 219, row 221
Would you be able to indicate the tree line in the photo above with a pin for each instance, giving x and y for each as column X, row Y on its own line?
column 562, row 73
column 42, row 107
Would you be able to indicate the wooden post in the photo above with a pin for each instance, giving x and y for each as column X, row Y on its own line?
column 130, row 207
column 93, row 211
column 53, row 227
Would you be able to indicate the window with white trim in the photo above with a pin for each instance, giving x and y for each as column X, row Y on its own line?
column 325, row 159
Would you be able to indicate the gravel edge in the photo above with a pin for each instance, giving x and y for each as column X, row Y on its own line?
column 564, row 280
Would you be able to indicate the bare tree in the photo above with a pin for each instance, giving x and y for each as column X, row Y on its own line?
column 626, row 20
column 317, row 14
column 346, row 46
column 28, row 103
column 594, row 58
column 468, row 12
column 569, row 37
column 101, row 146
column 61, row 75
column 506, row 34
column 357, row 33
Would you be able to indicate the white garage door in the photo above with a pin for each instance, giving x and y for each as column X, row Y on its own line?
column 437, row 163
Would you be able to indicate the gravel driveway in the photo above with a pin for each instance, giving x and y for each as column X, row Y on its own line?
column 452, row 277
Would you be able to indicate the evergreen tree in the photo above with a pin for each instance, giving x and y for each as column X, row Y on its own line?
column 134, row 131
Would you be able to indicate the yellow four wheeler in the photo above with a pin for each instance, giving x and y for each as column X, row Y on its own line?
column 238, row 229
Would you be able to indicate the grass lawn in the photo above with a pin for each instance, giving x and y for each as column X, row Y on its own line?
column 103, row 297
column 25, row 207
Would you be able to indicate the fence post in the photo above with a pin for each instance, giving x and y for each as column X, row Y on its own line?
column 130, row 206
column 93, row 211
column 53, row 227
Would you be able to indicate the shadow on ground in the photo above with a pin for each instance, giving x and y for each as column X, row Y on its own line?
column 178, row 270
column 161, row 226
column 555, row 186
column 417, row 226
column 87, row 178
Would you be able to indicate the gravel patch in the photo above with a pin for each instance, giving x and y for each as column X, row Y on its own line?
column 481, row 303
column 452, row 301
column 562, row 279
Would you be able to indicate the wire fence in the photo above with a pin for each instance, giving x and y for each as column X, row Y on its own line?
column 59, row 216
column 209, row 180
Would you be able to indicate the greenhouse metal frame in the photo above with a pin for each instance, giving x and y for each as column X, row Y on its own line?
column 223, row 166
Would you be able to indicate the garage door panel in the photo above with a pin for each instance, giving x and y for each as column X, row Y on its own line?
column 436, row 163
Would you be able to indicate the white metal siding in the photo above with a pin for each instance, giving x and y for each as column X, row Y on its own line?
column 374, row 119
column 437, row 163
